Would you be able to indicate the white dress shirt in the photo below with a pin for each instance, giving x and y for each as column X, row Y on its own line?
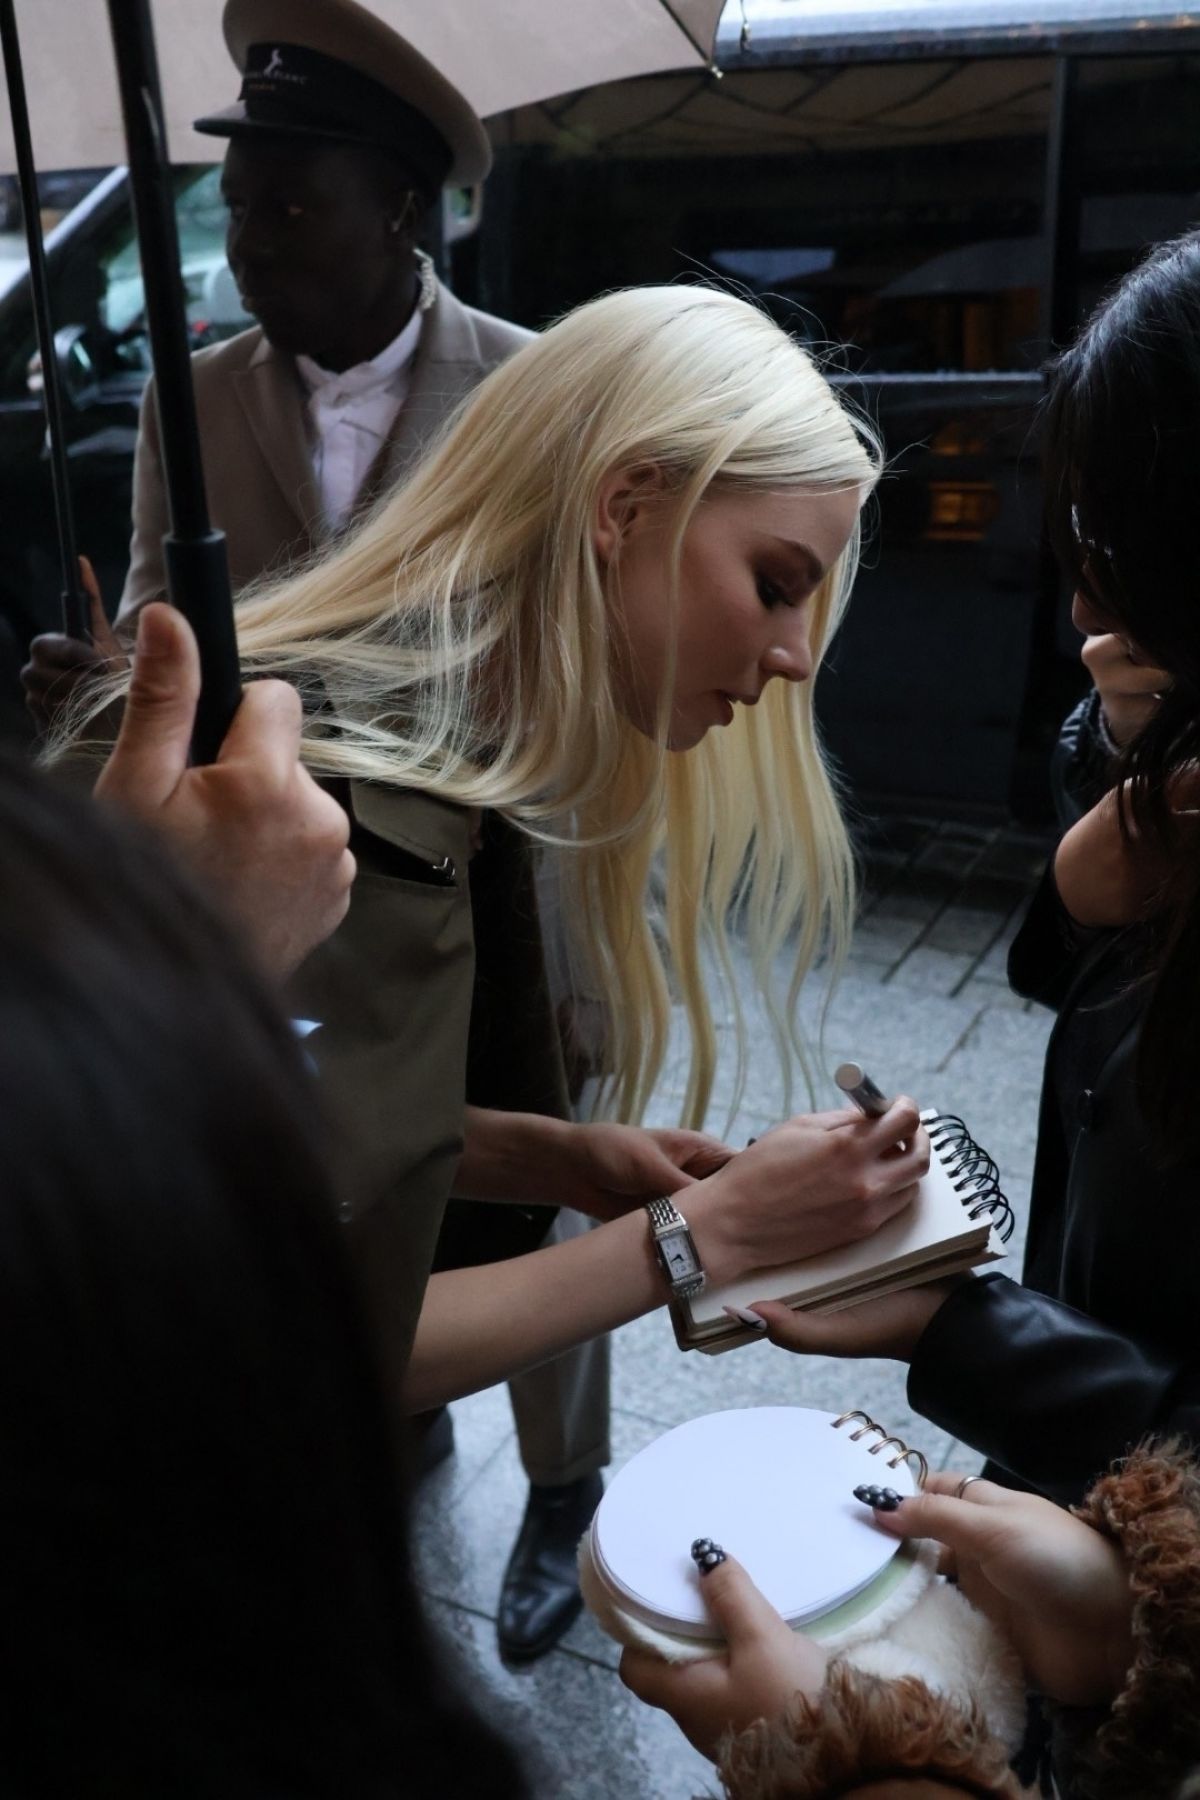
column 351, row 415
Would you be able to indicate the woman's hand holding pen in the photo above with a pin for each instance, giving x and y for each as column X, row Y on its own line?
column 805, row 1186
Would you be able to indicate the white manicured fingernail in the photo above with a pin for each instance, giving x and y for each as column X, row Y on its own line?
column 744, row 1316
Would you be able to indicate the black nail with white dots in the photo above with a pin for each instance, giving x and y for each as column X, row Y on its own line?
column 706, row 1555
column 883, row 1499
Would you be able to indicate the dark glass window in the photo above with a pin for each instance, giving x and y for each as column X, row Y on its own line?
column 892, row 207
column 1136, row 163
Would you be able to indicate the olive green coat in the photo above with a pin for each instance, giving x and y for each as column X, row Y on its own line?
column 398, row 1048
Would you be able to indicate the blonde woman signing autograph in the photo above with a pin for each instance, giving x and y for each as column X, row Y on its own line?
column 603, row 599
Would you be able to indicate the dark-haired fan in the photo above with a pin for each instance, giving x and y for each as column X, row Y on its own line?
column 1054, row 1377
column 205, row 1579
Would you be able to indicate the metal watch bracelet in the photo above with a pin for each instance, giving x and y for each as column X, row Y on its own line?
column 667, row 1223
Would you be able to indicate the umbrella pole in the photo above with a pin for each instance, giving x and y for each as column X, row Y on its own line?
column 194, row 554
column 74, row 605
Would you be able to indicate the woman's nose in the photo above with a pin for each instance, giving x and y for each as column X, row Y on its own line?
column 790, row 655
column 1085, row 618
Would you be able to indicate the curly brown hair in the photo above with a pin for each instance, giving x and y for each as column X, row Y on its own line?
column 863, row 1731
column 1150, row 1506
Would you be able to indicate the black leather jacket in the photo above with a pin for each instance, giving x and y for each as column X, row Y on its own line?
column 1055, row 1378
column 1082, row 763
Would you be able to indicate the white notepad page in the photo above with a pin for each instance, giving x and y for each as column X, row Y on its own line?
column 773, row 1485
column 937, row 1216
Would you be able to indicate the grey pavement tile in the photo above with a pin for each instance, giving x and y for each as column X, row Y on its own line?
column 984, row 990
column 953, row 856
column 889, row 843
column 969, row 927
column 895, row 1031
column 481, row 1424
column 582, row 1735
column 961, row 1457
column 460, row 1552
column 917, row 897
column 892, row 1028
column 995, row 961
column 1015, row 1188
column 1017, row 858
column 881, row 937
column 659, row 1382
column 994, row 1078
column 930, row 971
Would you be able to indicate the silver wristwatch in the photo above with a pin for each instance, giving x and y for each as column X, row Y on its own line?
column 676, row 1249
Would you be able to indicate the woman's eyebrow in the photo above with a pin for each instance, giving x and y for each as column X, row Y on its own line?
column 814, row 568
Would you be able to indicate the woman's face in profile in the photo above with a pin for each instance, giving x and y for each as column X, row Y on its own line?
column 1088, row 618
column 750, row 566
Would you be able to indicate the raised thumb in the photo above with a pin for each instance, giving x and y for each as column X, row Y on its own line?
column 151, row 752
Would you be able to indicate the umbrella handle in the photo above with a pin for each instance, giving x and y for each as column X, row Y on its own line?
column 194, row 553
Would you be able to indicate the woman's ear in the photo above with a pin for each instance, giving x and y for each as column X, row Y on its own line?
column 623, row 500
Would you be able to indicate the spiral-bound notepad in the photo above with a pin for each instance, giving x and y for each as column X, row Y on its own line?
column 810, row 1545
column 958, row 1221
column 774, row 1485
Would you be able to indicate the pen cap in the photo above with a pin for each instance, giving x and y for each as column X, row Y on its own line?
column 857, row 1085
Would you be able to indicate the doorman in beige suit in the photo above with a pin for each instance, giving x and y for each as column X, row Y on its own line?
column 320, row 243
column 256, row 442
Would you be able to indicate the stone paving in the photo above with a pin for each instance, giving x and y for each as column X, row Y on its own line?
column 924, row 1005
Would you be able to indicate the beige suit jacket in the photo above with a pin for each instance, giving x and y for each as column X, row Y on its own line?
column 393, row 988
column 255, row 443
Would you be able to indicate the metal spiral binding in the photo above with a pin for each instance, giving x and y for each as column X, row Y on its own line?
column 903, row 1453
column 971, row 1170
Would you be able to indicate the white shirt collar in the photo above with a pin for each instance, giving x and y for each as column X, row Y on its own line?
column 329, row 385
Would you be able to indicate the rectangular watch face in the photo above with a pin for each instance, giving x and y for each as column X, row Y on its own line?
column 678, row 1257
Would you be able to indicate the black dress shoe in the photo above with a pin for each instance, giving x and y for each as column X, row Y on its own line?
column 540, row 1594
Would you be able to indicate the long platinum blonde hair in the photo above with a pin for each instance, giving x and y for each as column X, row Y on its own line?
column 463, row 641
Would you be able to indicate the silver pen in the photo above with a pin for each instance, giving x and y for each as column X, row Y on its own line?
column 857, row 1085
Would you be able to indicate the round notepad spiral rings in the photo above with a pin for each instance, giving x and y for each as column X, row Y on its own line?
column 772, row 1484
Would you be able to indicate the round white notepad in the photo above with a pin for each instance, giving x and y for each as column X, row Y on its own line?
column 774, row 1485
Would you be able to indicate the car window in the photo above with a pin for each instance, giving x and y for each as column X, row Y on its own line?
column 214, row 310
column 98, row 293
